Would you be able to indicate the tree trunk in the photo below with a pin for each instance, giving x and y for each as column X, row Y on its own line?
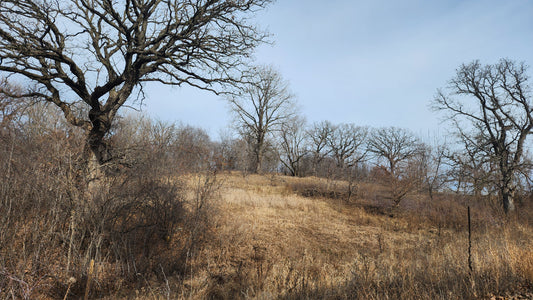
column 96, row 154
column 258, row 160
column 430, row 192
column 508, row 199
column 477, row 189
column 392, row 165
column 295, row 169
column 258, row 154
column 316, row 162
column 507, row 188
column 94, row 176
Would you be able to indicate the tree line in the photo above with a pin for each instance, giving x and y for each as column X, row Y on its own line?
column 485, row 152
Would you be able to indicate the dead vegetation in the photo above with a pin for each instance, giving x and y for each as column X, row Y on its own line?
column 57, row 241
column 165, row 228
column 267, row 240
column 271, row 243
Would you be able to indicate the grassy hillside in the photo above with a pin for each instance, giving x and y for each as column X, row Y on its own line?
column 264, row 237
column 270, row 242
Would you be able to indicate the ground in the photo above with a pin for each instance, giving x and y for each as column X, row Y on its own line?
column 269, row 242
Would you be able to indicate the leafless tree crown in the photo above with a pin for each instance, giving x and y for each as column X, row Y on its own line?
column 393, row 144
column 347, row 144
column 293, row 144
column 261, row 106
column 495, row 101
column 98, row 51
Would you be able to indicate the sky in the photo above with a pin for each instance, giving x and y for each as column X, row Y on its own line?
column 371, row 63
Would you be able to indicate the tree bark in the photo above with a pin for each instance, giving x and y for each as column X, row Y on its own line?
column 508, row 199
column 258, row 159
column 96, row 151
column 258, row 153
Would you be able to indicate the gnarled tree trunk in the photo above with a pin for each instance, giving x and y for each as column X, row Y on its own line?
column 507, row 191
column 96, row 151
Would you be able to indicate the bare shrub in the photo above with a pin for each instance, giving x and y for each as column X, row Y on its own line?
column 141, row 222
column 331, row 189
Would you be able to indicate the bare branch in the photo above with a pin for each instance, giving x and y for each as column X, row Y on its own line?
column 261, row 107
column 99, row 51
column 500, row 115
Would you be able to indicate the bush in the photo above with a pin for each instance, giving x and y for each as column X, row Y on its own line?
column 142, row 222
column 321, row 188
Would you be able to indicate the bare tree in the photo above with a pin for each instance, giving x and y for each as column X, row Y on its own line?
column 9, row 109
column 292, row 144
column 470, row 167
column 402, row 151
column 229, row 152
column 262, row 106
column 433, row 161
column 319, row 134
column 395, row 145
column 347, row 144
column 192, row 149
column 496, row 101
column 175, row 149
column 99, row 52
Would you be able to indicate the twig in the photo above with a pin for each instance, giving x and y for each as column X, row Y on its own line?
column 469, row 243
column 89, row 277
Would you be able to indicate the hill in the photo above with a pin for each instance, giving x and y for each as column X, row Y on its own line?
column 269, row 242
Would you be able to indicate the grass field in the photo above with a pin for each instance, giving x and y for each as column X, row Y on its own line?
column 266, row 237
column 268, row 242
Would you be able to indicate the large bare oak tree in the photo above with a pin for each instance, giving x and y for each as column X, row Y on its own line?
column 347, row 144
column 395, row 145
column 496, row 101
column 89, row 56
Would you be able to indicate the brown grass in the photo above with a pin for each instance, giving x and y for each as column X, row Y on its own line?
column 266, row 239
column 271, row 243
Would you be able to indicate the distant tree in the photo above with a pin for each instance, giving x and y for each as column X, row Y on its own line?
column 495, row 100
column 260, row 108
column 10, row 109
column 433, row 160
column 395, row 145
column 192, row 148
column 171, row 147
column 293, row 144
column 318, row 134
column 347, row 144
column 230, row 152
column 99, row 52
column 223, row 156
column 403, row 153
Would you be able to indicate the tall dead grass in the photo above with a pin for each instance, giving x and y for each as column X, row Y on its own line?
column 272, row 243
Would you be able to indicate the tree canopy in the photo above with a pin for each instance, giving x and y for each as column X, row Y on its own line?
column 89, row 56
column 495, row 100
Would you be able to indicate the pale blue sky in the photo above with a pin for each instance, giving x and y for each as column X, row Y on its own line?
column 375, row 63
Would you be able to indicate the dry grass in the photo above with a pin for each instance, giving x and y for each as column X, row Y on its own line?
column 265, row 240
column 271, row 243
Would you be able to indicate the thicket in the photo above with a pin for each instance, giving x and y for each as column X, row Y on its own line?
column 147, row 219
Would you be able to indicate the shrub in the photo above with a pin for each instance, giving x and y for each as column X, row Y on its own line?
column 142, row 221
